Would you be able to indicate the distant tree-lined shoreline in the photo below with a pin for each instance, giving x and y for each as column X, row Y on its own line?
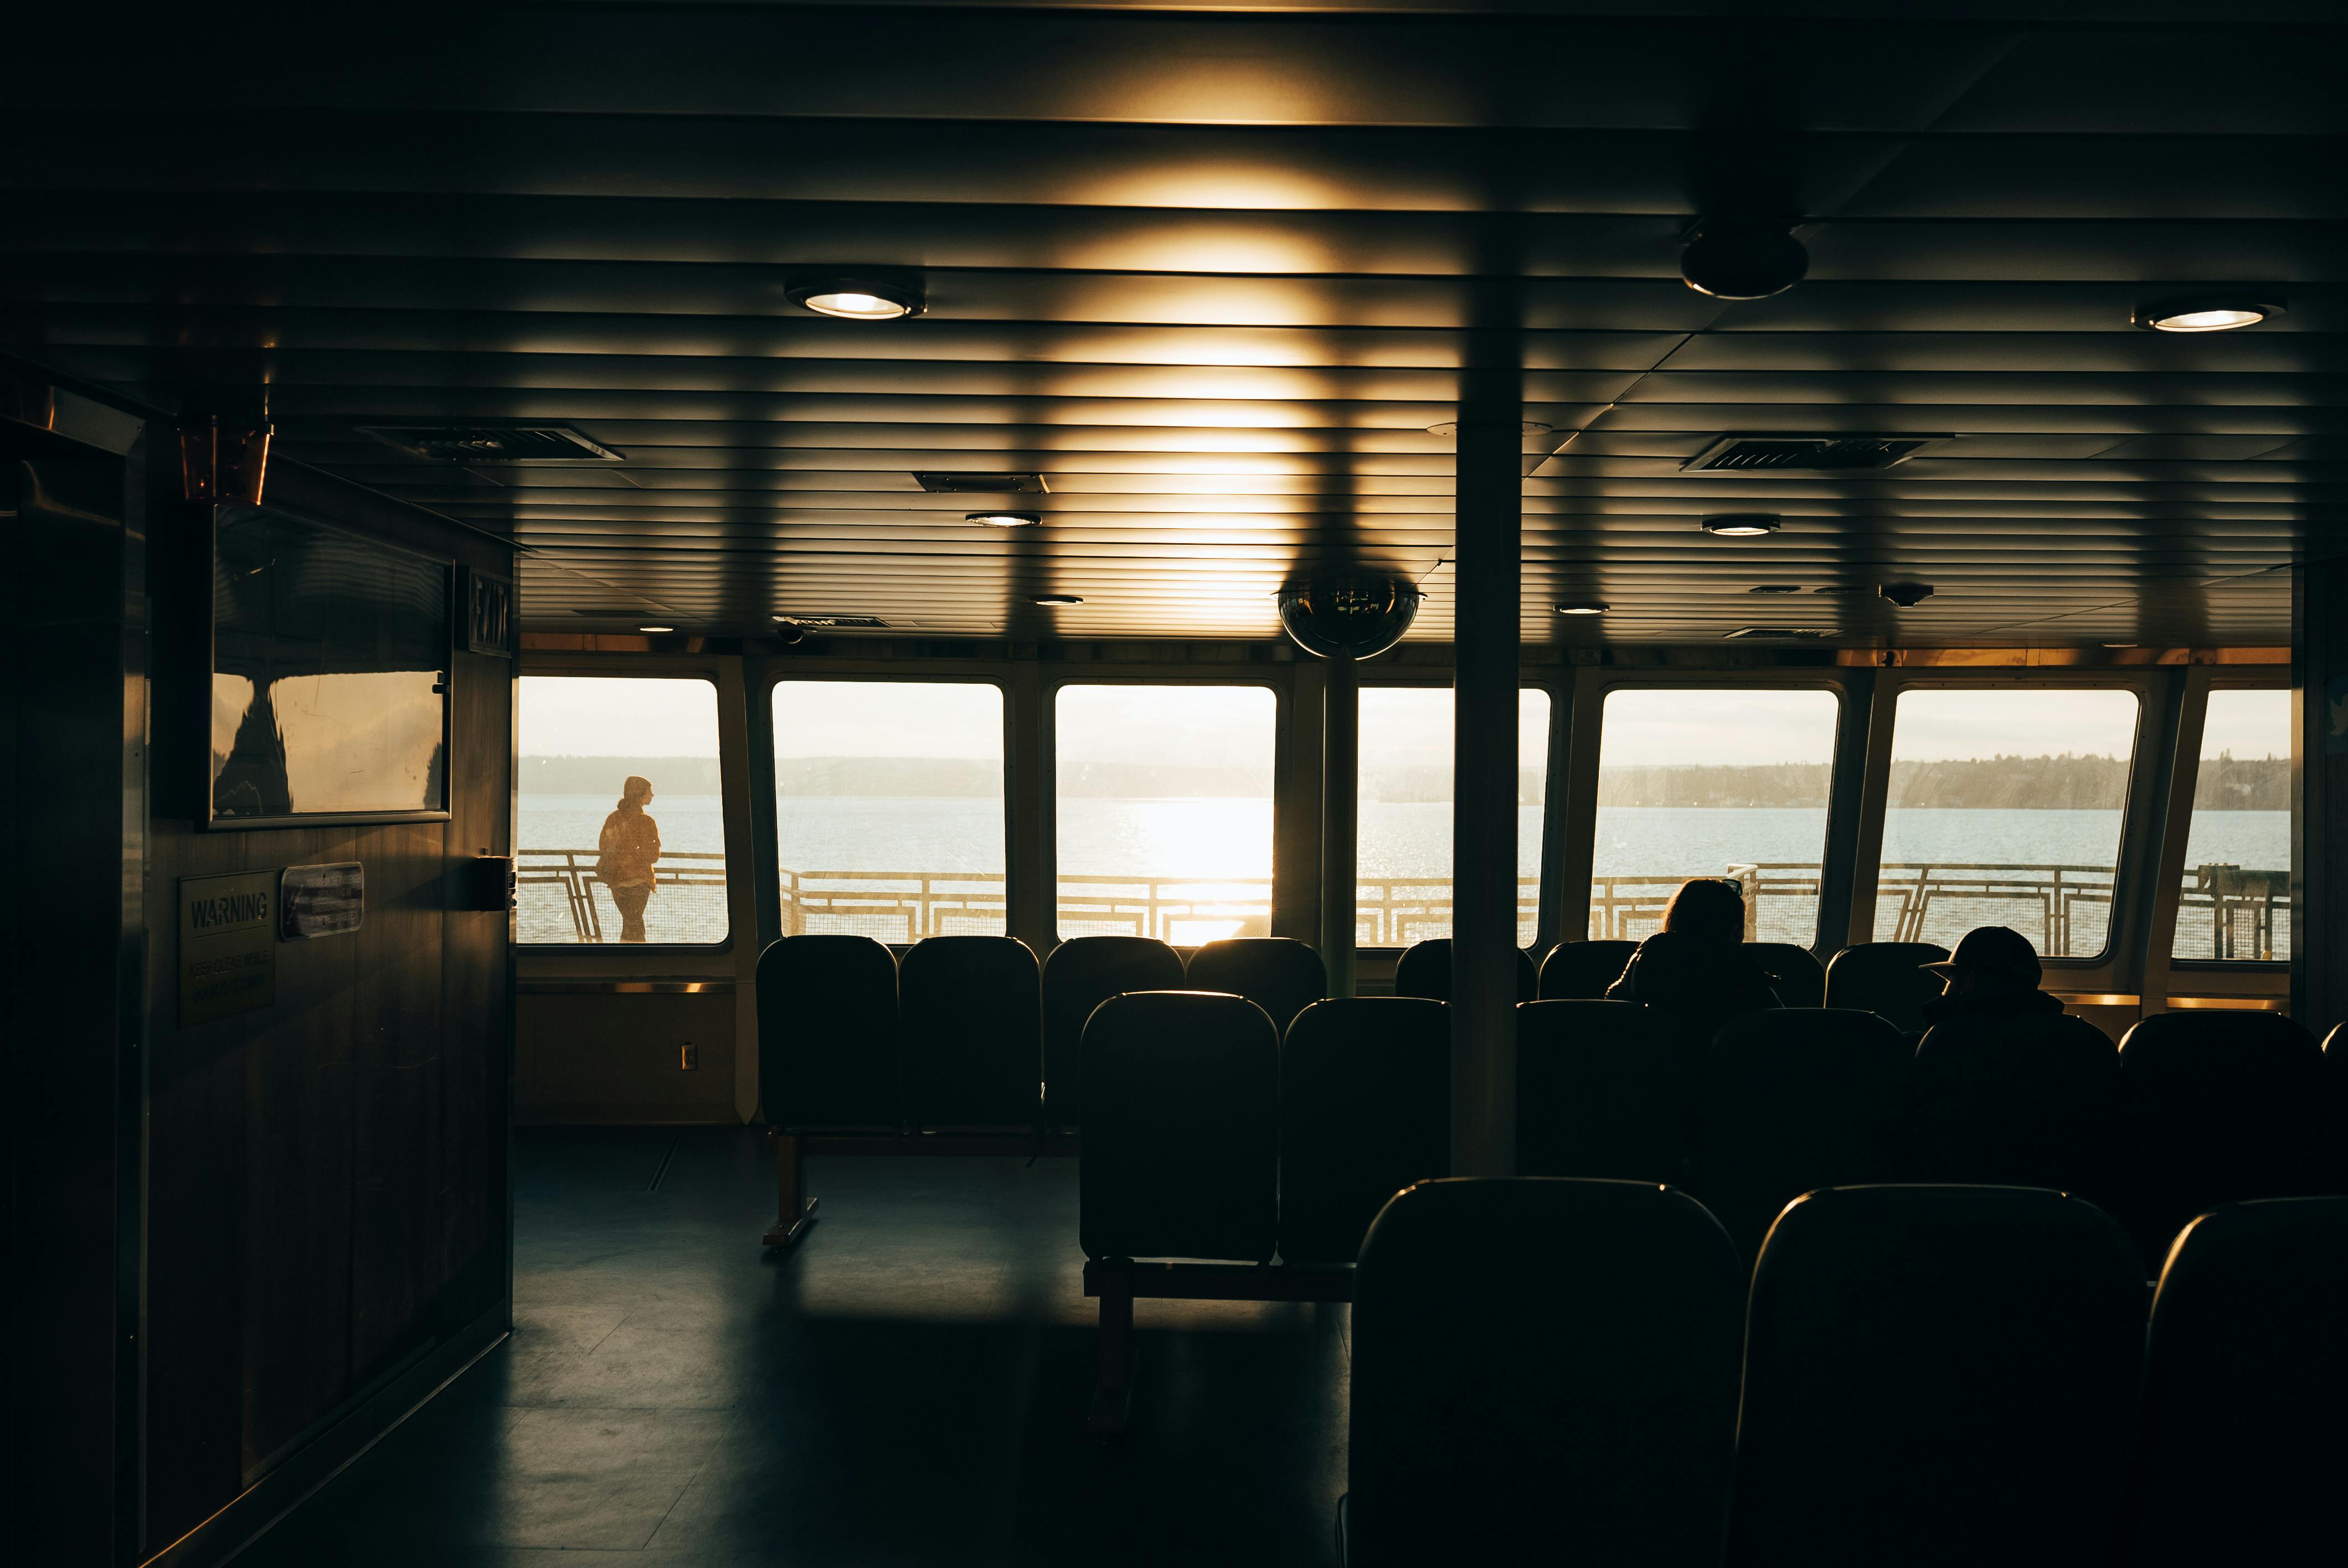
column 1984, row 783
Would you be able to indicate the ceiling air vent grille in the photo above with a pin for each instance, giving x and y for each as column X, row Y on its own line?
column 1805, row 453
column 982, row 484
column 1777, row 634
column 835, row 622
column 491, row 443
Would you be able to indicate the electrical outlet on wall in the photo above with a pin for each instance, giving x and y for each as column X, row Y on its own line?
column 688, row 1057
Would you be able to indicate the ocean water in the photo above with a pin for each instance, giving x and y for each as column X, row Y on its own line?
column 1207, row 839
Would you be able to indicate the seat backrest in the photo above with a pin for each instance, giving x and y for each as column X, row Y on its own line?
column 1794, row 973
column 1364, row 1111
column 1543, row 1371
column 1937, row 1376
column 2214, row 1107
column 1079, row 975
column 972, row 1040
column 1886, row 978
column 2242, row 1445
column 1603, row 1089
column 1790, row 1101
column 1580, row 971
column 1425, row 970
column 1279, row 974
column 1180, row 1151
column 2023, row 1102
column 828, row 1054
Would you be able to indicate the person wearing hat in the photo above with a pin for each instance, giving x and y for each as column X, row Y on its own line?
column 625, row 853
column 1993, row 973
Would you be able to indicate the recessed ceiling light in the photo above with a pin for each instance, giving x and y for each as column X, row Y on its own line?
column 1527, row 426
column 857, row 299
column 655, row 629
column 2210, row 315
column 1582, row 607
column 1741, row 524
column 1058, row 599
column 1003, row 519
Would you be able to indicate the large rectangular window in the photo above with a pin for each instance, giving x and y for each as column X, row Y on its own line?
column 2005, row 809
column 1728, row 782
column 1403, row 843
column 2235, row 906
column 889, row 807
column 1164, row 811
column 620, row 819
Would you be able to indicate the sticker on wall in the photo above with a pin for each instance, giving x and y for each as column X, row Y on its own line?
column 321, row 900
column 228, row 945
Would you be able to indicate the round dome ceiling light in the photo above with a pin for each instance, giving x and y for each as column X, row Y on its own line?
column 1054, row 601
column 1739, row 259
column 1582, row 607
column 857, row 299
column 2212, row 313
column 1742, row 524
column 1003, row 520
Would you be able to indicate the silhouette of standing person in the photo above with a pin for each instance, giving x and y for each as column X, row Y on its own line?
column 624, row 855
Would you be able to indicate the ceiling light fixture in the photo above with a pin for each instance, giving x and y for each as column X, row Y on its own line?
column 1003, row 519
column 1582, row 607
column 858, row 299
column 1052, row 601
column 1742, row 524
column 2212, row 313
column 655, row 629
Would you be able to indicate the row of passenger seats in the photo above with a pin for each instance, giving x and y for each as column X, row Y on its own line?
column 1206, row 1139
column 959, row 1031
column 1573, row 1370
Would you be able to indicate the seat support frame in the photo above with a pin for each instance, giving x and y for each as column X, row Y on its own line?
column 1119, row 1282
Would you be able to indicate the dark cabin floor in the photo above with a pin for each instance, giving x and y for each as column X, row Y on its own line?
column 909, row 1386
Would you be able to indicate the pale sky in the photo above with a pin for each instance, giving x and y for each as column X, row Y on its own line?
column 2248, row 723
column 1197, row 726
column 616, row 716
column 1734, row 727
column 1410, row 726
column 888, row 719
column 1944, row 725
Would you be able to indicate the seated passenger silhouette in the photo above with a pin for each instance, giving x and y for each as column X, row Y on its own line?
column 624, row 855
column 1993, row 973
column 1697, row 968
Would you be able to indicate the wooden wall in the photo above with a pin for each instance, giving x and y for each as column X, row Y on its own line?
column 327, row 1194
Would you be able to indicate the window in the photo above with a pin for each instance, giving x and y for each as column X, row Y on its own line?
column 619, row 817
column 2005, row 810
column 889, row 807
column 1164, row 811
column 1726, row 782
column 2236, row 902
column 1403, row 843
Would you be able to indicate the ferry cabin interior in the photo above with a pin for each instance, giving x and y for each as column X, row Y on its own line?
column 677, row 661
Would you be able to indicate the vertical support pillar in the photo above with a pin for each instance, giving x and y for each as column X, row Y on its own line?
column 2319, row 821
column 1341, row 752
column 1486, row 639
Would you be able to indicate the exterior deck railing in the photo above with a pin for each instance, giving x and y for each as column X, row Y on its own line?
column 2225, row 911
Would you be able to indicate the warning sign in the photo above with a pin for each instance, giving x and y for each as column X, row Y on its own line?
column 228, row 945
